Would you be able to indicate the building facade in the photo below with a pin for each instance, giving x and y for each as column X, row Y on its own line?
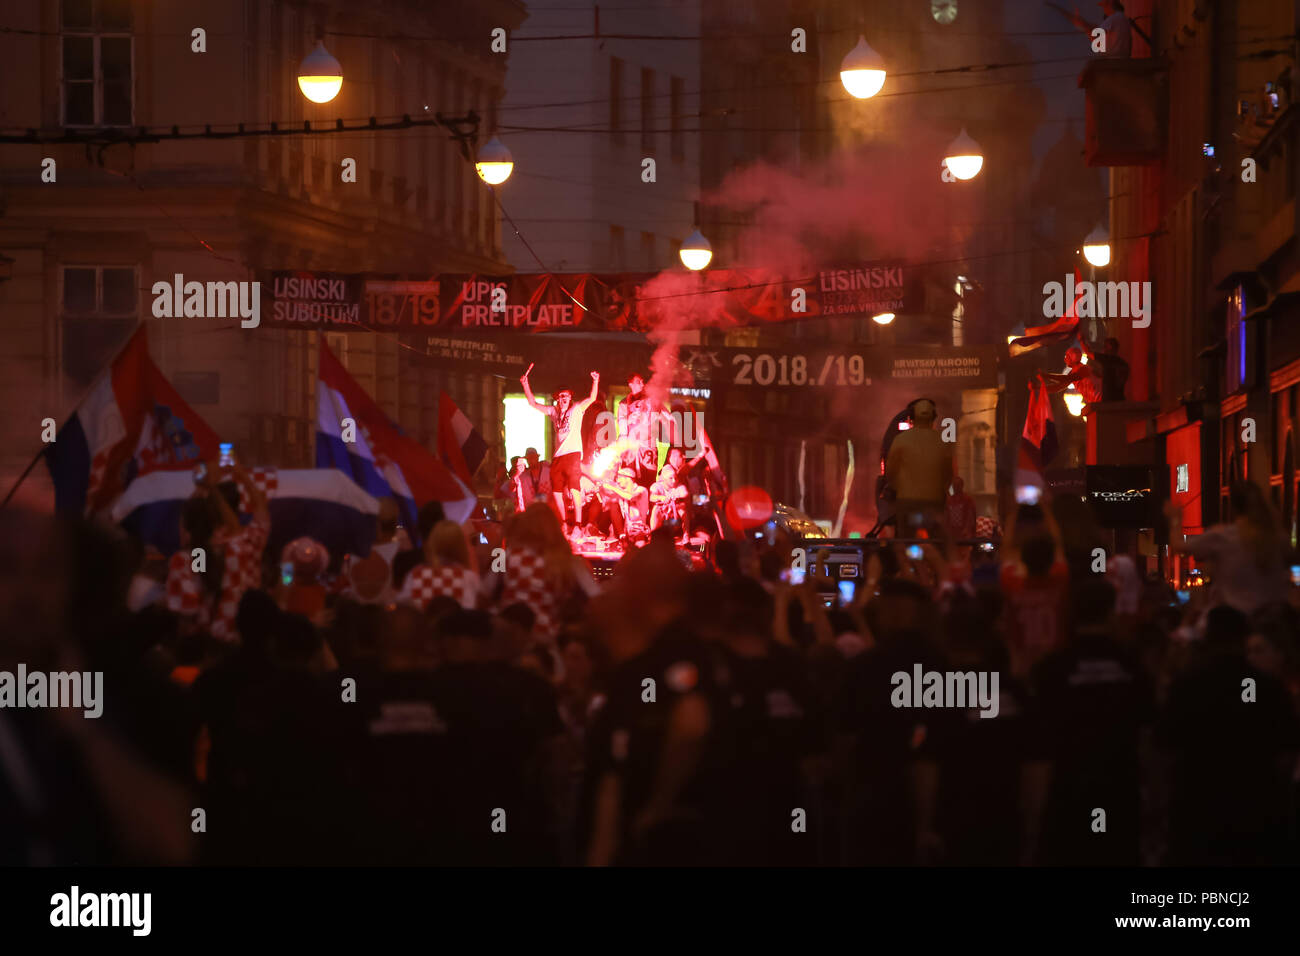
column 1208, row 216
column 88, row 246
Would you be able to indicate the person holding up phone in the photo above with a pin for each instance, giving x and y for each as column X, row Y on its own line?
column 231, row 553
column 1035, row 579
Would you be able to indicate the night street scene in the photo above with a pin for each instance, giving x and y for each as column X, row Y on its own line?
column 654, row 433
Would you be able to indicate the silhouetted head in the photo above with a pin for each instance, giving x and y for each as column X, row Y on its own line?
column 923, row 413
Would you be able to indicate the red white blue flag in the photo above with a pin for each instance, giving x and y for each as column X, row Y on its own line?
column 355, row 436
column 132, row 423
column 460, row 446
column 1061, row 330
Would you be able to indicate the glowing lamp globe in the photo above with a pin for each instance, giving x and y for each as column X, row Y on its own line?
column 696, row 253
column 1096, row 248
column 494, row 163
column 863, row 71
column 320, row 77
column 964, row 159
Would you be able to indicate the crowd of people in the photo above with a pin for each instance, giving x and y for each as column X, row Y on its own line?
column 459, row 702
column 610, row 491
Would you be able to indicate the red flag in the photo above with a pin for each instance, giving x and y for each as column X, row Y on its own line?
column 1038, row 444
column 1060, row 330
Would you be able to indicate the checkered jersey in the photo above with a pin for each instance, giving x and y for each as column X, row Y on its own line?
column 987, row 527
column 267, row 481
column 424, row 583
column 243, row 570
column 526, row 584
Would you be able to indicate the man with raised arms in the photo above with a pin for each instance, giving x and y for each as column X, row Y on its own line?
column 566, row 417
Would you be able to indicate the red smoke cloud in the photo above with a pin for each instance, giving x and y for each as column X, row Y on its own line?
column 861, row 204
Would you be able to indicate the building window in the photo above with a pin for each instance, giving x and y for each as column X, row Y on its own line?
column 96, row 66
column 647, row 109
column 648, row 259
column 616, row 98
column 1277, row 433
column 676, row 139
column 1236, row 336
column 99, row 311
column 617, row 252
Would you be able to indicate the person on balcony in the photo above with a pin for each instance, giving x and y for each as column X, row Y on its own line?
column 1114, row 371
column 1119, row 35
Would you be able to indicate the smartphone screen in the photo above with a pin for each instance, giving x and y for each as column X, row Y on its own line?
column 227, row 454
column 1183, row 596
column 914, row 552
column 795, row 575
column 1295, row 574
column 286, row 572
column 1028, row 494
column 847, row 589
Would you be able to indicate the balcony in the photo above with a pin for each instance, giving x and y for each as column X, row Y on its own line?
column 1128, row 102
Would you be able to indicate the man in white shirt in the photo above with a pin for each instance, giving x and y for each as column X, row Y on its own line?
column 642, row 423
column 1119, row 36
column 566, row 473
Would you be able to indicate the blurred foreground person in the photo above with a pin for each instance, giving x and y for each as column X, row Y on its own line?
column 887, row 755
column 1092, row 699
column 1244, row 558
column 274, row 787
column 654, row 760
column 775, row 743
column 75, row 789
column 1232, row 734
